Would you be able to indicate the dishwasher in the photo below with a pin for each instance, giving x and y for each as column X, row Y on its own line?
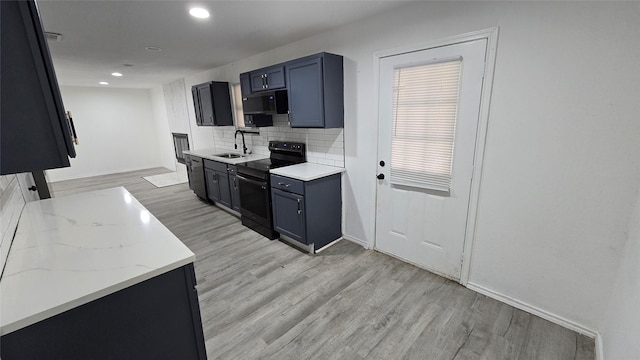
column 195, row 171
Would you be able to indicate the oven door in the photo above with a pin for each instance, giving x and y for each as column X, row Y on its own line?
column 255, row 199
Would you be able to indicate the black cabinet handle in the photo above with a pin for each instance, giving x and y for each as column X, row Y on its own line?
column 33, row 188
column 283, row 184
column 299, row 210
column 380, row 176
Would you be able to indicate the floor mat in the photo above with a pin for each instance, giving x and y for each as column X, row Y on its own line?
column 168, row 179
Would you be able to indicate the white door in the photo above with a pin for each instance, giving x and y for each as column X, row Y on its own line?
column 423, row 198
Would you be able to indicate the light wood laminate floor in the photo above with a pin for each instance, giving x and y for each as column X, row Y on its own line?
column 263, row 299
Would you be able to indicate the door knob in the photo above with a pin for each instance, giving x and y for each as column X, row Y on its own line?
column 33, row 188
column 380, row 176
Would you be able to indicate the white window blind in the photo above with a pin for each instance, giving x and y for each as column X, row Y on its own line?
column 425, row 104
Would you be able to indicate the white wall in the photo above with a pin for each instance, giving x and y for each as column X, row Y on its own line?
column 562, row 151
column 621, row 329
column 116, row 131
column 163, row 132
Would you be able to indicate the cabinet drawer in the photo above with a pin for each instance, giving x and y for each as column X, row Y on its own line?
column 215, row 165
column 287, row 184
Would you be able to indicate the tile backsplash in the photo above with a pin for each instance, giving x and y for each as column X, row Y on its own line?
column 324, row 146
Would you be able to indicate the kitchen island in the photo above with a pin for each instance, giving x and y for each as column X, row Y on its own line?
column 96, row 276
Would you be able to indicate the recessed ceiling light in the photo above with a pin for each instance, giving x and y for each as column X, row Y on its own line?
column 199, row 13
column 153, row 48
column 103, row 83
column 116, row 74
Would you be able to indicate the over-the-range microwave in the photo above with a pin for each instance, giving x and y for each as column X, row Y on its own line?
column 266, row 102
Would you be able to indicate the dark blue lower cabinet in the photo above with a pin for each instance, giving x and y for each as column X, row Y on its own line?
column 289, row 214
column 213, row 189
column 235, row 192
column 222, row 187
column 222, row 179
column 308, row 211
column 156, row 319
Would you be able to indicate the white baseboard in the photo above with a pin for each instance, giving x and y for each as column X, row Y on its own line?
column 536, row 311
column 363, row 243
column 599, row 349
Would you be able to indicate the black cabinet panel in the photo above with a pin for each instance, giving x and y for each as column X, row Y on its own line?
column 34, row 131
column 155, row 319
column 212, row 104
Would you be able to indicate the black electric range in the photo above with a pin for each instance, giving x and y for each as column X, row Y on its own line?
column 255, row 188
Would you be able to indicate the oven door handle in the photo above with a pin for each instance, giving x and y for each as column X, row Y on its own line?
column 262, row 184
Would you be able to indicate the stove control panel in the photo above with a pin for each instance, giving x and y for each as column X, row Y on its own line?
column 287, row 146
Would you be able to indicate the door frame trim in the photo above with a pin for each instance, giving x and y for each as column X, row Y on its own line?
column 491, row 35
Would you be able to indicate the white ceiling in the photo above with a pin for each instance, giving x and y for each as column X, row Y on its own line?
column 100, row 36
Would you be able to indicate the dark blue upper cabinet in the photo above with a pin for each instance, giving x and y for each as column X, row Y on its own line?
column 268, row 78
column 315, row 86
column 245, row 84
column 212, row 104
column 34, row 132
column 206, row 104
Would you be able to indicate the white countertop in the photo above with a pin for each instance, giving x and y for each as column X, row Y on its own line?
column 71, row 250
column 209, row 154
column 307, row 171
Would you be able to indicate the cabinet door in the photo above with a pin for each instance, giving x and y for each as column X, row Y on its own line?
column 258, row 81
column 34, row 131
column 233, row 187
column 206, row 104
column 306, row 93
column 221, row 97
column 268, row 78
column 245, row 84
column 223, row 182
column 288, row 214
column 213, row 188
column 275, row 77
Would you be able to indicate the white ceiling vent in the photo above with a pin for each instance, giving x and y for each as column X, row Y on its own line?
column 51, row 36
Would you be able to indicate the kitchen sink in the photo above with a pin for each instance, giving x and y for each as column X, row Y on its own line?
column 229, row 155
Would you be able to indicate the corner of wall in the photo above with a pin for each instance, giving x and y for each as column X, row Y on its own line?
column 599, row 348
column 365, row 244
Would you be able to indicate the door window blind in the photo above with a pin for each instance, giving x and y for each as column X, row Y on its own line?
column 424, row 110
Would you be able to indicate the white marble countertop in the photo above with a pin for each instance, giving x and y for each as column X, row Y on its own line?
column 209, row 154
column 71, row 250
column 307, row 171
